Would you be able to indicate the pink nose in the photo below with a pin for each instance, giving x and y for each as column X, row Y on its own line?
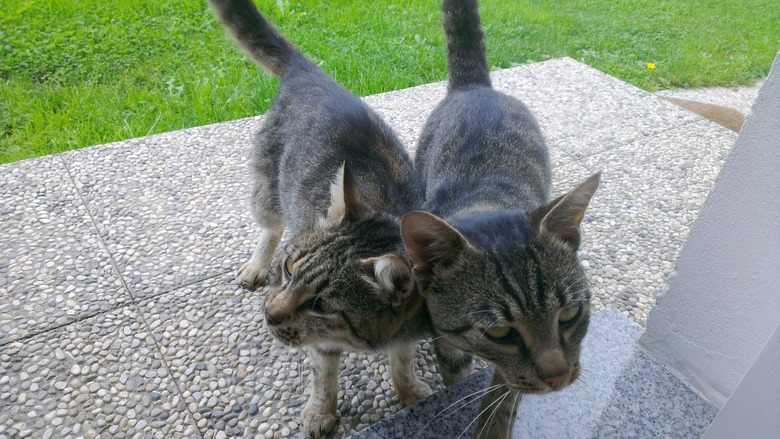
column 555, row 381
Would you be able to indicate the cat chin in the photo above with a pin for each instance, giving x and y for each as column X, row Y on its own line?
column 539, row 387
column 542, row 388
column 288, row 343
column 326, row 344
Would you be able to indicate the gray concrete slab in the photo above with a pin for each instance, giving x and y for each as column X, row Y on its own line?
column 561, row 95
column 103, row 375
column 651, row 192
column 167, row 216
column 172, row 208
column 54, row 268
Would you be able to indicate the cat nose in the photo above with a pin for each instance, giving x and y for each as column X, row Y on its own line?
column 553, row 367
column 555, row 381
column 273, row 318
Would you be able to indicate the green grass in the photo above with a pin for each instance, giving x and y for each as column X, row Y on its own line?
column 75, row 73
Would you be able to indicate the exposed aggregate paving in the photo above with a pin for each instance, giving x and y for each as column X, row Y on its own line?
column 118, row 317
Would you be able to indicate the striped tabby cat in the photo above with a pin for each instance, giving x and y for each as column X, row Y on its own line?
column 495, row 259
column 332, row 173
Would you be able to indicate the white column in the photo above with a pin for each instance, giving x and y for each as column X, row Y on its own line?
column 722, row 301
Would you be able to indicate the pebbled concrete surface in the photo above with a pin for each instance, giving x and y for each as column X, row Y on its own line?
column 116, row 263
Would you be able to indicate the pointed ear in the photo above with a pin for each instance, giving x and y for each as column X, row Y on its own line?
column 564, row 215
column 352, row 202
column 345, row 201
column 430, row 241
column 392, row 273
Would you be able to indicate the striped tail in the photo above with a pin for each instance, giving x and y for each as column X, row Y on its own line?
column 264, row 44
column 466, row 59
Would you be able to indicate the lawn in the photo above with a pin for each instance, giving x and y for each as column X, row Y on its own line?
column 75, row 73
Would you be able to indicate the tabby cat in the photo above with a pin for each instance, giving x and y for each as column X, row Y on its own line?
column 494, row 258
column 333, row 177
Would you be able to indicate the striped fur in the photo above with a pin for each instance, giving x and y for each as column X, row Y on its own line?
column 493, row 254
column 333, row 177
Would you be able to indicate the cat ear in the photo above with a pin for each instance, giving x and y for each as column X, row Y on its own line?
column 344, row 199
column 564, row 215
column 430, row 241
column 392, row 273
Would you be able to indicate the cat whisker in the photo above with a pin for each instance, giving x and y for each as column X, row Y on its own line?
column 267, row 360
column 514, row 413
column 497, row 401
column 584, row 379
column 436, row 338
column 274, row 355
column 301, row 367
column 489, row 419
column 489, row 326
column 476, row 395
column 478, row 312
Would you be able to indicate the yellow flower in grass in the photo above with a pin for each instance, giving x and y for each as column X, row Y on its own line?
column 650, row 66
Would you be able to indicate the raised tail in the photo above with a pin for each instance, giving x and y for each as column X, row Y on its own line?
column 466, row 58
column 264, row 44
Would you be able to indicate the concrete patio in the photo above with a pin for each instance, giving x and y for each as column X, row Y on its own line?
column 119, row 318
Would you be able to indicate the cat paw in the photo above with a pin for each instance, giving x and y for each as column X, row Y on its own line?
column 417, row 391
column 317, row 423
column 251, row 276
column 451, row 377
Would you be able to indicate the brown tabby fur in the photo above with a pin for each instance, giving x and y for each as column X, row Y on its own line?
column 494, row 257
column 333, row 177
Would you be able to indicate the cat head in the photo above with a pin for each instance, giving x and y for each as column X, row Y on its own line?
column 346, row 283
column 508, row 287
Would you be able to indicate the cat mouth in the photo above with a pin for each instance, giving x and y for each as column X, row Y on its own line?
column 529, row 390
column 286, row 336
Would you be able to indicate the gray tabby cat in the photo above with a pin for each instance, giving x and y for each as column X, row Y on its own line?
column 330, row 172
column 495, row 259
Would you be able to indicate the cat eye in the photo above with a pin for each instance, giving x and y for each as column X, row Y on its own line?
column 503, row 335
column 569, row 314
column 288, row 268
column 319, row 306
column 499, row 331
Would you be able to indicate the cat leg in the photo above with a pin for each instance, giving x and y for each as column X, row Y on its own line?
column 319, row 415
column 498, row 411
column 453, row 364
column 255, row 271
column 267, row 211
column 408, row 387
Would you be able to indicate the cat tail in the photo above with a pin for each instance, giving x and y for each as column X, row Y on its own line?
column 264, row 44
column 466, row 58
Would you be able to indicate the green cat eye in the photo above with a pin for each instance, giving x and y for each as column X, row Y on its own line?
column 498, row 332
column 568, row 314
column 288, row 268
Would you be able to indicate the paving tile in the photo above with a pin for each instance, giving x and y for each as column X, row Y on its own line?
column 560, row 93
column 171, row 208
column 53, row 267
column 583, row 111
column 100, row 377
column 651, row 193
column 235, row 378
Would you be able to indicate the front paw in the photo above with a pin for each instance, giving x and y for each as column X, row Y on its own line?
column 317, row 422
column 411, row 394
column 251, row 275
